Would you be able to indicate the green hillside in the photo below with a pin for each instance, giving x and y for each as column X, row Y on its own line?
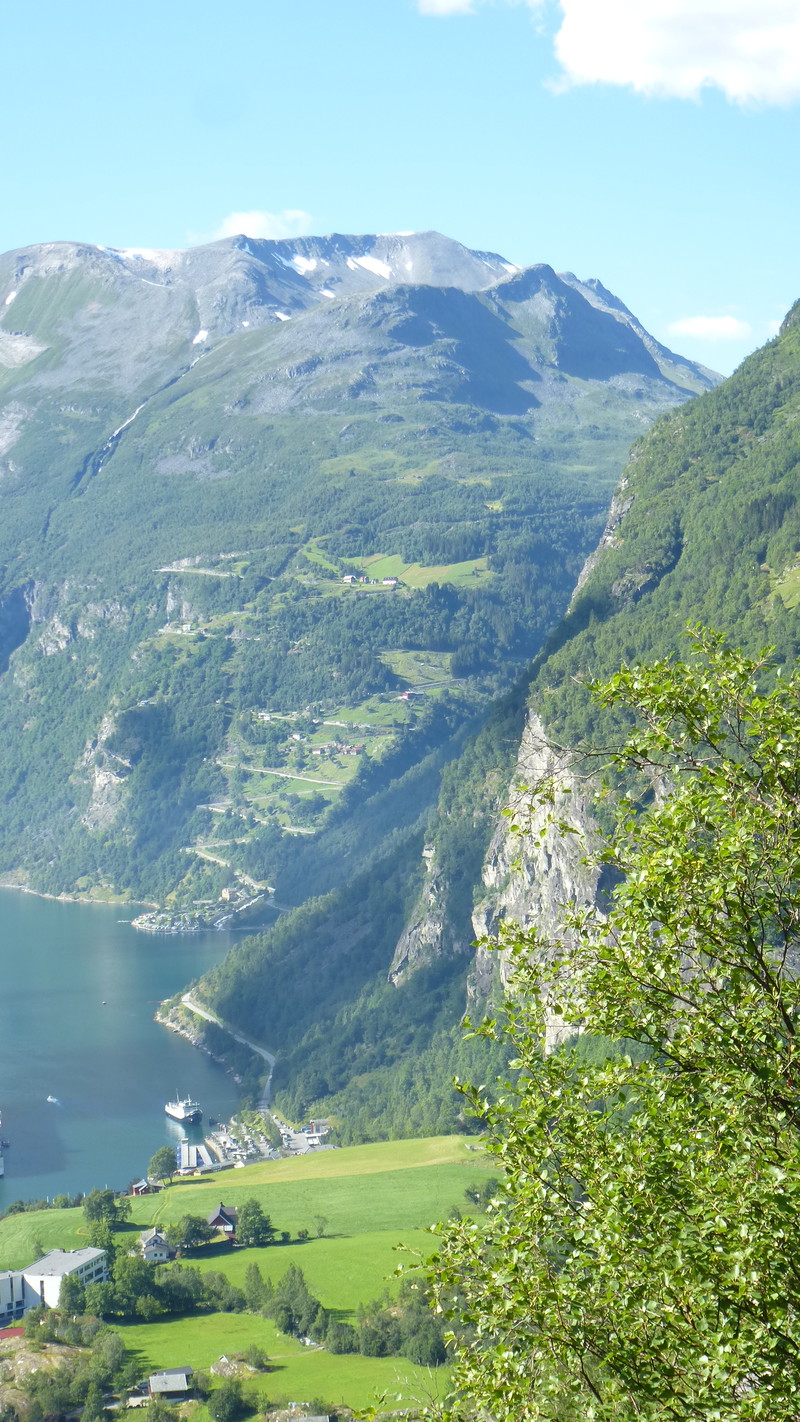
column 284, row 524
column 211, row 460
column 378, row 1202
column 711, row 534
column 705, row 527
column 363, row 1190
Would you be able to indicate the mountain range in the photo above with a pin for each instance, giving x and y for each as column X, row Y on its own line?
column 197, row 448
column 285, row 525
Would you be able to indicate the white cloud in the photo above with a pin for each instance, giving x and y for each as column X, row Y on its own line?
column 750, row 49
column 445, row 7
column 292, row 222
column 711, row 328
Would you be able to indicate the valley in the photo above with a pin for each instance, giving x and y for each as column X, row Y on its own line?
column 289, row 575
column 297, row 480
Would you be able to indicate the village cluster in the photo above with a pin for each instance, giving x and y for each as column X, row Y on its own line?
column 40, row 1285
column 239, row 1143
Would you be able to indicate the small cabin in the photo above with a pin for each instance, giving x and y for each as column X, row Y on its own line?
column 224, row 1218
column 170, row 1382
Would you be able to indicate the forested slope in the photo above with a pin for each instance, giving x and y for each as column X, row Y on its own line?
column 705, row 527
column 279, row 520
column 711, row 533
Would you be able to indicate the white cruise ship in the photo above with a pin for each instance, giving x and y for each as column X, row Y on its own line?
column 184, row 1111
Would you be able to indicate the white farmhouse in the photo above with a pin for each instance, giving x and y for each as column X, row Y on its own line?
column 154, row 1246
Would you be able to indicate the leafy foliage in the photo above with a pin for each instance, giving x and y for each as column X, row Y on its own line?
column 253, row 1227
column 640, row 1260
column 106, row 1207
column 164, row 1163
column 189, row 1232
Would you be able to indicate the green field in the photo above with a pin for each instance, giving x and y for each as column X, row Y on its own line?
column 392, row 1185
column 378, row 1202
column 384, row 711
column 340, row 1276
column 419, row 668
column 21, row 1235
column 787, row 586
column 296, row 1372
column 471, row 573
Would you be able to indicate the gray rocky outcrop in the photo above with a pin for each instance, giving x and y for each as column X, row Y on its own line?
column 620, row 504
column 106, row 773
column 533, row 869
column 429, row 935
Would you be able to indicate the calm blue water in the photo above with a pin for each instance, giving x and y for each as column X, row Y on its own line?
column 111, row 1068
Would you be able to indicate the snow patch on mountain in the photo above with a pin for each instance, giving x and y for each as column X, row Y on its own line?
column 371, row 264
column 160, row 259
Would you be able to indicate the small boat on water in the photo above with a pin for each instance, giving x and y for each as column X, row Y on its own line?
column 54, row 1101
column 185, row 1110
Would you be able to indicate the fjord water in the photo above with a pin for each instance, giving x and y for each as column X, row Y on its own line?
column 111, row 1067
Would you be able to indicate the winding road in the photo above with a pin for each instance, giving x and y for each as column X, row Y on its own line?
column 188, row 1001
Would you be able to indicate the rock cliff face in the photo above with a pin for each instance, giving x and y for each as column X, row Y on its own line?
column 533, row 868
column 106, row 774
column 429, row 935
column 620, row 504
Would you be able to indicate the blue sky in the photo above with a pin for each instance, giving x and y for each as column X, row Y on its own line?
column 651, row 143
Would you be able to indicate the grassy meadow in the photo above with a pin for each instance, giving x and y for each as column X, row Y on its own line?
column 378, row 1202
column 418, row 575
column 296, row 1373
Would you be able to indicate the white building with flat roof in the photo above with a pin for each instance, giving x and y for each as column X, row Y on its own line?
column 44, row 1276
column 40, row 1282
column 15, row 1299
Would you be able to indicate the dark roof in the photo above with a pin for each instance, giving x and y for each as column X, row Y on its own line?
column 224, row 1212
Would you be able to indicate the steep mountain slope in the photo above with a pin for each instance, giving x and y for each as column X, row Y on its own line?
column 280, row 519
column 705, row 526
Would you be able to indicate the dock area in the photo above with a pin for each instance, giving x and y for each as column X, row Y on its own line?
column 245, row 1140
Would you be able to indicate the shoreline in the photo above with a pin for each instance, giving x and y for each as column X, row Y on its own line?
column 164, row 1019
column 149, row 906
column 172, row 1016
column 77, row 898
